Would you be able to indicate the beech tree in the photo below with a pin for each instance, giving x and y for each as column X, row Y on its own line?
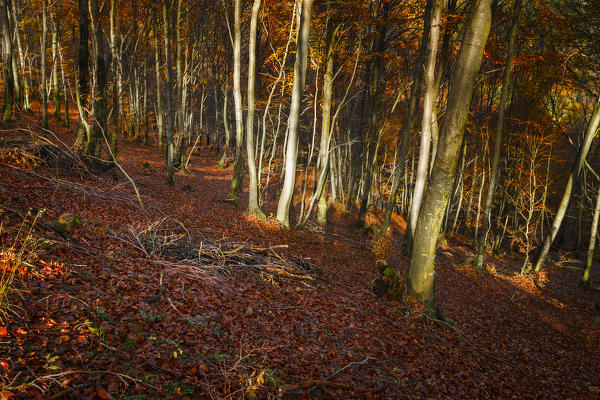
column 420, row 280
column 291, row 152
column 478, row 260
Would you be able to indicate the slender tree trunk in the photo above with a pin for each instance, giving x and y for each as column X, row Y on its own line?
column 253, row 206
column 159, row 110
column 429, row 99
column 408, row 120
column 94, row 144
column 238, row 165
column 82, row 83
column 170, row 108
column 7, row 61
column 13, row 29
column 43, row 67
column 116, row 69
column 223, row 161
column 55, row 87
column 478, row 260
column 330, row 39
column 287, row 192
column 585, row 280
column 26, row 105
column 180, row 92
column 64, row 82
column 420, row 280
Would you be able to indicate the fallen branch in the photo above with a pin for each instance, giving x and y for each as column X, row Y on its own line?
column 312, row 384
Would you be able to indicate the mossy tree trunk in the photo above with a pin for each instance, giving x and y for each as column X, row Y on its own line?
column 420, row 280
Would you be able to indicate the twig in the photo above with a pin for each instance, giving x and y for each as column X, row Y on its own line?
column 339, row 371
column 312, row 384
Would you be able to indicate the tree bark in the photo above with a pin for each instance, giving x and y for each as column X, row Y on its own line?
column 159, row 110
column 170, row 108
column 429, row 99
column 420, row 280
column 408, row 121
column 330, row 39
column 287, row 193
column 83, row 55
column 585, row 279
column 43, row 66
column 238, row 165
column 253, row 206
column 7, row 61
column 25, row 92
column 478, row 260
column 55, row 87
column 94, row 144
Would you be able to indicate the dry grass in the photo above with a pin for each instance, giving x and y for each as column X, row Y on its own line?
column 23, row 248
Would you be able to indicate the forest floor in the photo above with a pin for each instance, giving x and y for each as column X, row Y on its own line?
column 188, row 297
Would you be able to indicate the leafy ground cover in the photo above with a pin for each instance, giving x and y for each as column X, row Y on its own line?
column 187, row 297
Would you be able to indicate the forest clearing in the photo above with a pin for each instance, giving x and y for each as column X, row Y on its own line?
column 402, row 202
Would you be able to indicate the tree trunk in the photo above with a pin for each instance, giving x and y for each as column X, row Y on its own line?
column 420, row 280
column 408, row 121
column 170, row 108
column 99, row 128
column 64, row 82
column 585, row 280
column 253, row 206
column 429, row 99
column 26, row 105
column 223, row 161
column 116, row 72
column 43, row 67
column 478, row 260
column 7, row 61
column 287, row 192
column 238, row 165
column 324, row 157
column 55, row 87
column 159, row 110
column 83, row 55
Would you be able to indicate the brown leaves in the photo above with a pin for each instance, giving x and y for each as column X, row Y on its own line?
column 86, row 306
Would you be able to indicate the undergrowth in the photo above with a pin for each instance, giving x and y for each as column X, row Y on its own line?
column 23, row 248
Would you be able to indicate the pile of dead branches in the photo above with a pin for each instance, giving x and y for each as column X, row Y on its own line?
column 36, row 151
column 267, row 263
column 169, row 244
